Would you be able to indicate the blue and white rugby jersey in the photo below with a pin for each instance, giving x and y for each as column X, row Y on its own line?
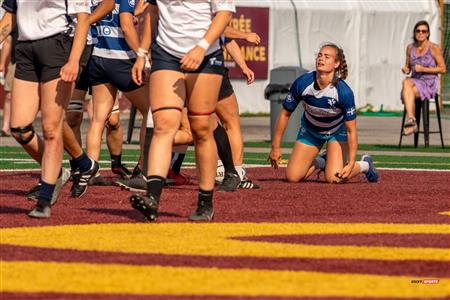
column 110, row 41
column 92, row 38
column 325, row 110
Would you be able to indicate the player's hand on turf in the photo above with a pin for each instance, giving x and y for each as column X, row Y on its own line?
column 406, row 70
column 274, row 157
column 137, row 70
column 69, row 72
column 253, row 38
column 346, row 171
column 192, row 60
column 249, row 74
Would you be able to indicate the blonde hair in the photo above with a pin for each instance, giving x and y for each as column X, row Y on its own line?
column 341, row 72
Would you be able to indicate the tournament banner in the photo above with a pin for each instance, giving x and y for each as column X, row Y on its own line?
column 251, row 19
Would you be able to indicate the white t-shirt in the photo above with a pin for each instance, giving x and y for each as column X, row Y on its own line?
column 183, row 23
column 39, row 19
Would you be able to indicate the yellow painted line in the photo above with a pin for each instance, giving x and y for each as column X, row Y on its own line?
column 445, row 213
column 157, row 280
column 216, row 239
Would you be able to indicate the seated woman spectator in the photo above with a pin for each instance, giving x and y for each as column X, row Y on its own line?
column 330, row 116
column 424, row 61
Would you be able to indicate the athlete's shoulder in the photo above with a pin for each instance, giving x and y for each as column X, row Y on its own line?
column 126, row 5
column 344, row 88
column 304, row 80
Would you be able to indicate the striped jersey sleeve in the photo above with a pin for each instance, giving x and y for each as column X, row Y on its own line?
column 294, row 96
column 127, row 6
column 346, row 101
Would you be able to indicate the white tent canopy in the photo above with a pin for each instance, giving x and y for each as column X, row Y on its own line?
column 373, row 33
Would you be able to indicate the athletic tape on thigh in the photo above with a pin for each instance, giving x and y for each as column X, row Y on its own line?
column 18, row 133
column 193, row 113
column 115, row 109
column 166, row 108
column 75, row 106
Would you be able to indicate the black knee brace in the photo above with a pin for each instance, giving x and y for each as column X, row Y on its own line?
column 19, row 134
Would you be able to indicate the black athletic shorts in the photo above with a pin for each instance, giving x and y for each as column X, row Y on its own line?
column 162, row 60
column 83, row 80
column 226, row 89
column 114, row 71
column 41, row 60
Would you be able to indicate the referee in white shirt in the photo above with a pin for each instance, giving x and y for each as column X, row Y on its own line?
column 47, row 64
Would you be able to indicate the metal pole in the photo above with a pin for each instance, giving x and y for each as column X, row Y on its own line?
column 297, row 33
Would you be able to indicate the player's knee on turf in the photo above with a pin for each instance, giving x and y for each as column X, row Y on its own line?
column 23, row 135
column 332, row 178
column 294, row 176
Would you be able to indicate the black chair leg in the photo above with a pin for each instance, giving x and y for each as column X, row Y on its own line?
column 438, row 114
column 401, row 128
column 426, row 122
column 131, row 123
column 418, row 110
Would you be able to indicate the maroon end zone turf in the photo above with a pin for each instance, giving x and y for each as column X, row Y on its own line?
column 400, row 197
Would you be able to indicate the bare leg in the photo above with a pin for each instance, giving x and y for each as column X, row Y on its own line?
column 55, row 96
column 6, row 113
column 337, row 153
column 300, row 163
column 71, row 144
column 114, row 132
column 26, row 94
column 167, row 89
column 409, row 94
column 103, row 97
column 228, row 112
column 184, row 134
column 139, row 98
column 203, row 99
column 75, row 118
